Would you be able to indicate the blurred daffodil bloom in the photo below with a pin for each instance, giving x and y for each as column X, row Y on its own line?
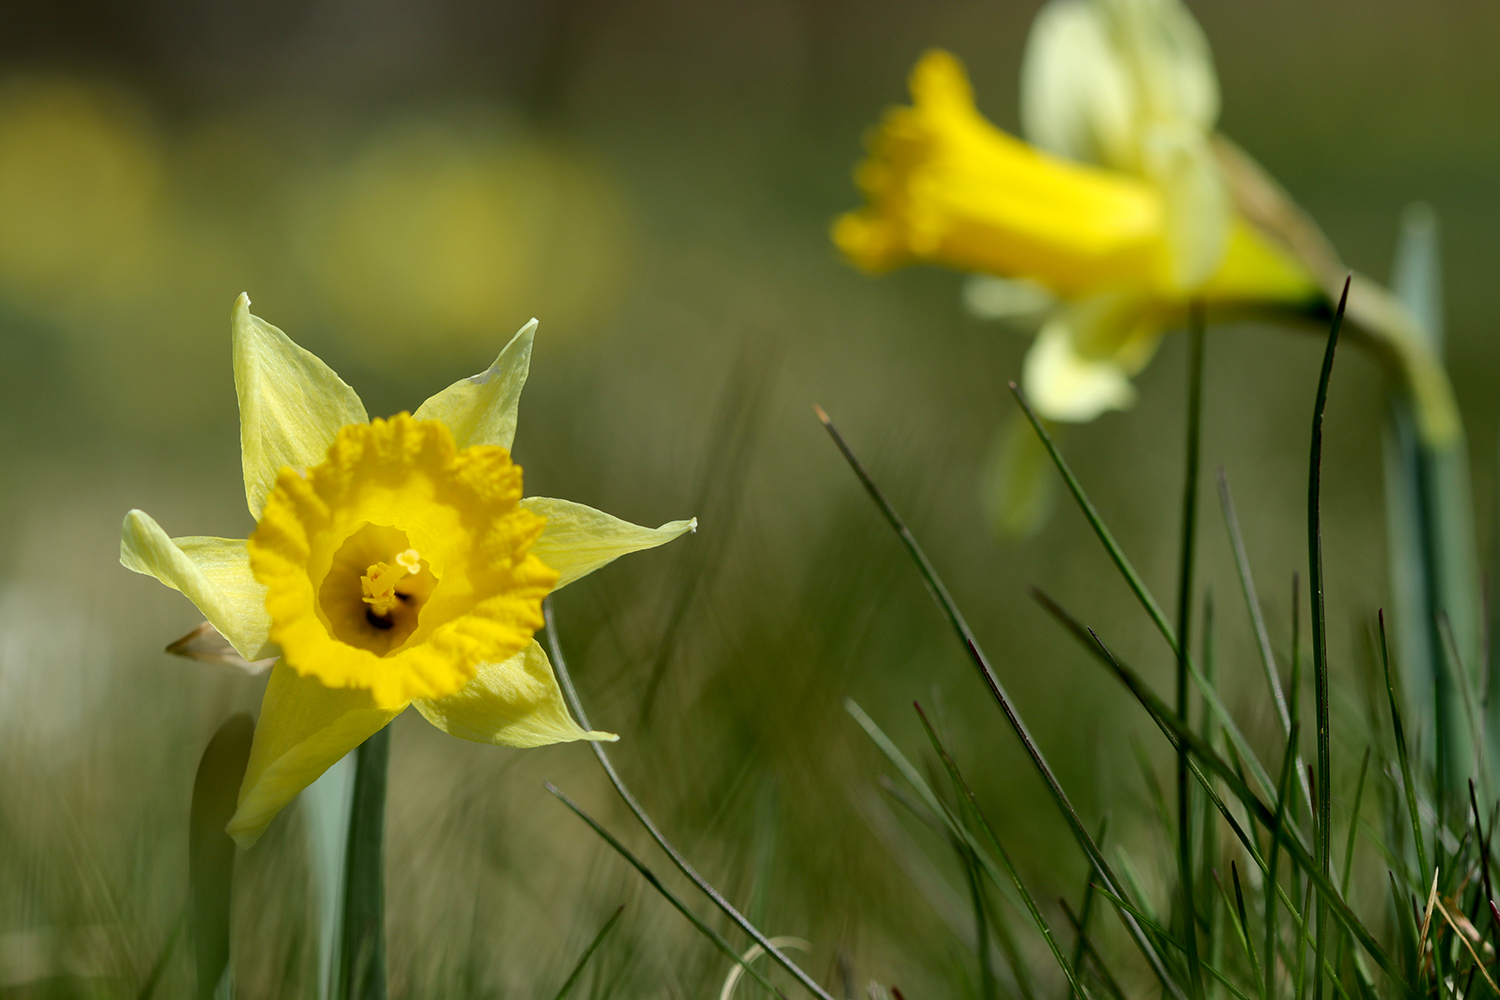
column 1122, row 253
column 1123, row 210
column 393, row 563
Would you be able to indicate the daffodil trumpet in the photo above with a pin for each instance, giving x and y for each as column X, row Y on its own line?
column 1122, row 247
column 393, row 563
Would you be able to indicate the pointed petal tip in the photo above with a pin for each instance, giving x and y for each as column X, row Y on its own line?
column 594, row 736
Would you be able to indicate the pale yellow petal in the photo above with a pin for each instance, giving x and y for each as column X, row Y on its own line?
column 1063, row 385
column 1077, row 96
column 481, row 409
column 303, row 730
column 291, row 403
column 516, row 703
column 214, row 573
column 578, row 540
column 1198, row 209
column 1015, row 299
column 1172, row 63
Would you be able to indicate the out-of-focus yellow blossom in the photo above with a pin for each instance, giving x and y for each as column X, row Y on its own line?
column 435, row 227
column 81, row 184
column 394, row 562
column 1124, row 208
column 945, row 186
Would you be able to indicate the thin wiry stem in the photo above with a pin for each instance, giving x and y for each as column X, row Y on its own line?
column 1184, row 623
column 955, row 618
column 1320, row 635
column 560, row 666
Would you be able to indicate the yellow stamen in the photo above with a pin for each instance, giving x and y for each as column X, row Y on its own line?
column 379, row 583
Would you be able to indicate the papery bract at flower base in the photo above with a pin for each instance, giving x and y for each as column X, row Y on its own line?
column 394, row 562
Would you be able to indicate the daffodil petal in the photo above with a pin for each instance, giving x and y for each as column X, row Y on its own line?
column 1077, row 97
column 291, row 403
column 516, row 703
column 578, row 540
column 214, row 573
column 481, row 409
column 1063, row 385
column 304, row 729
column 1198, row 210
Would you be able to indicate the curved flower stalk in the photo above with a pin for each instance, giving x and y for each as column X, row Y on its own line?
column 394, row 563
column 1124, row 210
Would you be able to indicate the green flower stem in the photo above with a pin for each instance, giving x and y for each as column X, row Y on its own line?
column 362, row 955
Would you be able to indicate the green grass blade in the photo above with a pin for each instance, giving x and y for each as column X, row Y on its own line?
column 1296, row 850
column 1244, row 924
column 1101, row 969
column 1289, row 763
column 666, row 893
column 1402, row 758
column 955, row 618
column 1258, row 621
column 588, row 953
column 1143, row 595
column 1116, row 554
column 216, row 789
column 981, row 924
column 1188, row 550
column 1320, row 636
column 565, row 681
column 1216, row 974
column 362, row 954
column 1359, row 797
column 1086, row 908
column 977, row 814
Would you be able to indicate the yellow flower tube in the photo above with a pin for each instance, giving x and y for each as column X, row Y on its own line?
column 945, row 186
column 394, row 563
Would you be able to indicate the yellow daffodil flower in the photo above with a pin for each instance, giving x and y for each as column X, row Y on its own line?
column 945, row 186
column 1123, row 210
column 393, row 563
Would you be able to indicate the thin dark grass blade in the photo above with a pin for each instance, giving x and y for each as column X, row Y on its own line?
column 1116, row 554
column 1100, row 967
column 1359, row 797
column 1010, row 869
column 1086, row 908
column 211, row 851
column 666, row 893
column 1215, row 973
column 1296, row 850
column 1229, row 906
column 981, row 924
column 1244, row 928
column 1348, row 869
column 565, row 681
column 1289, row 763
column 1320, row 632
column 588, row 953
column 362, row 955
column 1402, row 758
column 1406, row 930
column 961, row 628
column 1188, row 551
column 1143, row 595
column 1257, row 617
column 1483, row 839
column 1237, row 785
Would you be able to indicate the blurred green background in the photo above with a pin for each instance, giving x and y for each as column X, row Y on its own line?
column 400, row 185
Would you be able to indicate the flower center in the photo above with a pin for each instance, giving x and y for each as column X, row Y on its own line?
column 375, row 589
